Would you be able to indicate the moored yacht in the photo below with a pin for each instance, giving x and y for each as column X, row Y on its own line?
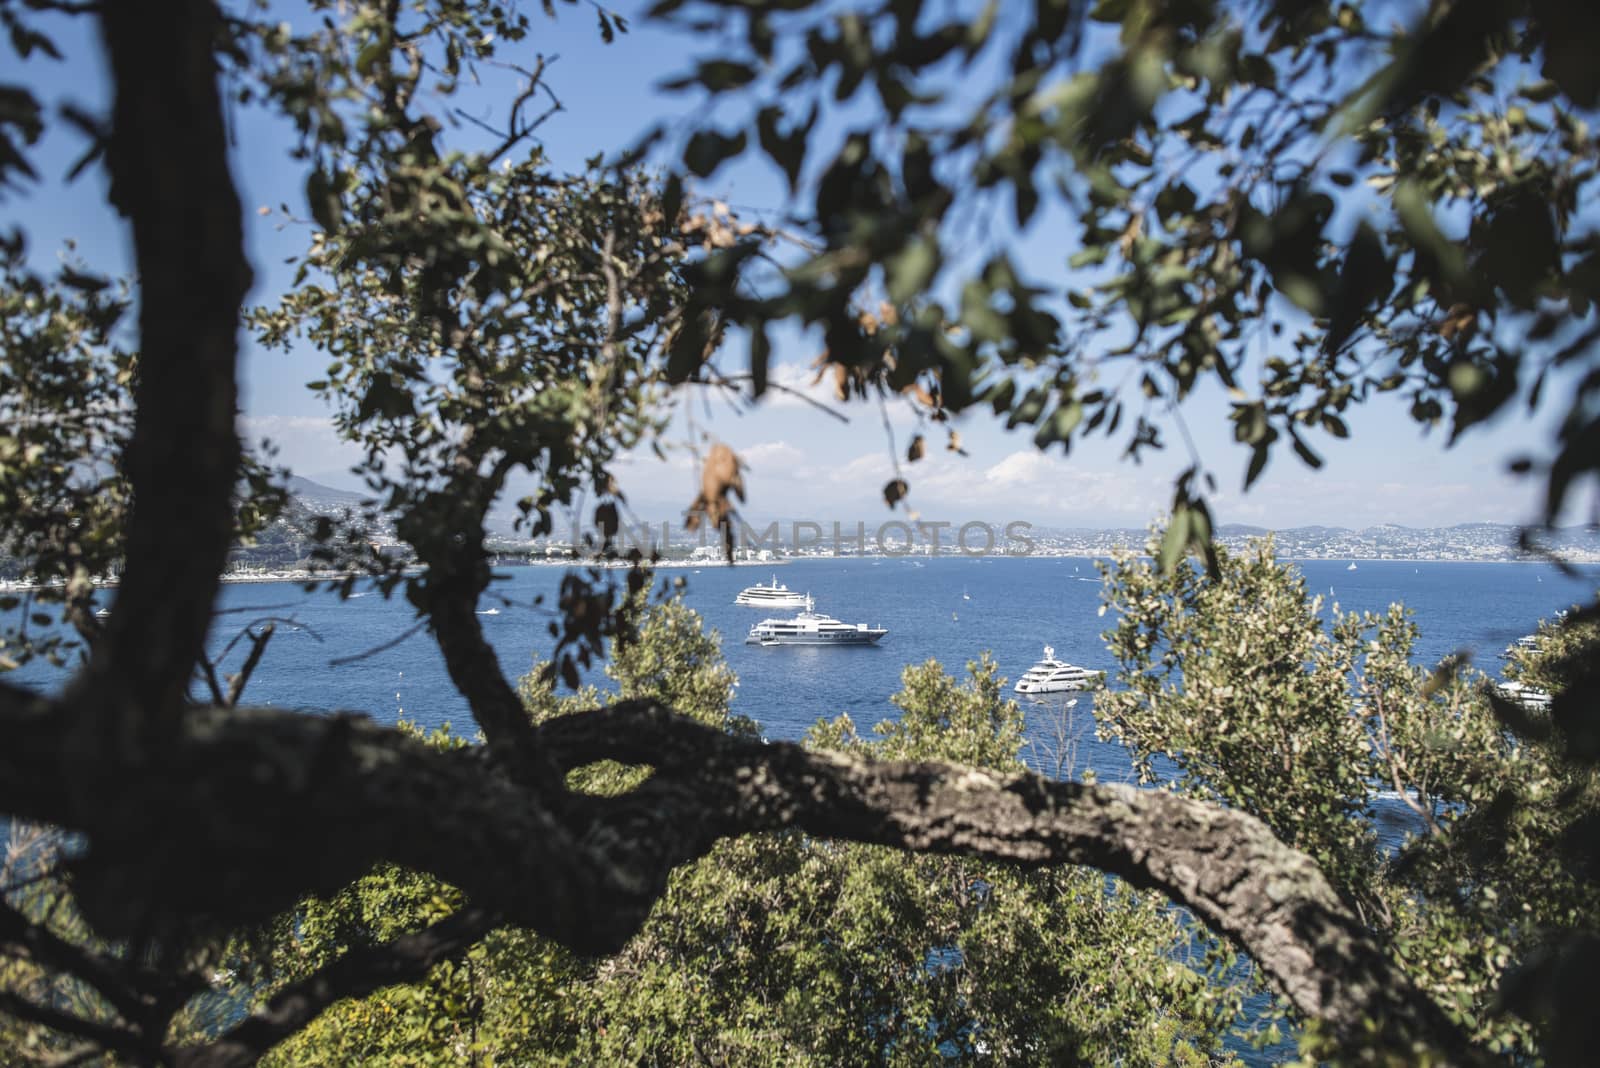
column 812, row 628
column 1528, row 643
column 1529, row 697
column 1054, row 676
column 773, row 596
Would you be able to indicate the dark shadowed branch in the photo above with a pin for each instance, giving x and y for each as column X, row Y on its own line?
column 346, row 794
column 356, row 974
column 169, row 176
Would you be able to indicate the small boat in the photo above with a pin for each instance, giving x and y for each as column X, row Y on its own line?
column 101, row 613
column 965, row 596
column 489, row 612
column 1352, row 566
column 1055, row 676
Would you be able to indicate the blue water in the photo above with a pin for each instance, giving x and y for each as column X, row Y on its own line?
column 1013, row 607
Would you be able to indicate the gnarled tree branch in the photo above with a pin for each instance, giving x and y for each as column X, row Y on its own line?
column 168, row 161
column 281, row 804
column 356, row 974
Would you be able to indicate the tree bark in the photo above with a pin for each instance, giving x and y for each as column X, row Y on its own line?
column 198, row 817
column 169, row 176
column 278, row 804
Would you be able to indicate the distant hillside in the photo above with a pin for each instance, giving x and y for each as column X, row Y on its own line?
column 1464, row 541
column 316, row 491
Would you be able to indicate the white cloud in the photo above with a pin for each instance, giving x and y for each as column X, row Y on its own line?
column 1021, row 468
column 306, row 444
column 773, row 458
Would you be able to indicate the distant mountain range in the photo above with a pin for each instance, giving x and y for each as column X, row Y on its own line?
column 1461, row 541
column 315, row 492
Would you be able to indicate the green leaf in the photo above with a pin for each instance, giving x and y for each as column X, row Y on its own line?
column 1540, row 92
column 708, row 149
column 716, row 75
column 788, row 152
column 1258, row 463
column 1302, row 450
column 1176, row 538
column 1088, row 257
column 321, row 197
column 908, row 272
column 1415, row 209
column 760, row 357
column 1366, row 275
column 672, row 200
column 369, row 55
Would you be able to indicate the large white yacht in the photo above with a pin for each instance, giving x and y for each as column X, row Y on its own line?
column 812, row 628
column 773, row 596
column 1527, row 696
column 1528, row 643
column 1054, row 676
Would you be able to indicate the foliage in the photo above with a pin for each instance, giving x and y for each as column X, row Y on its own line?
column 33, row 889
column 485, row 318
column 1306, row 204
column 1290, row 200
column 66, row 379
column 778, row 949
column 66, row 417
column 1249, row 690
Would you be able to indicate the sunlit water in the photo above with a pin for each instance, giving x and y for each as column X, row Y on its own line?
column 949, row 609
column 946, row 609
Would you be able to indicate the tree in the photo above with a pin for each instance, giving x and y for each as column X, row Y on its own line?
column 1305, row 204
column 1255, row 700
column 457, row 354
column 780, row 949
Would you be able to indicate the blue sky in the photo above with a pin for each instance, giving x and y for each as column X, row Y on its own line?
column 801, row 462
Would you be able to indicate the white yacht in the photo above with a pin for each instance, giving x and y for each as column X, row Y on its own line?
column 1054, row 676
column 1528, row 643
column 1527, row 696
column 812, row 628
column 773, row 596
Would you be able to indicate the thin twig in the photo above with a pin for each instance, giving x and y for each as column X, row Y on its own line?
column 258, row 646
column 339, row 661
column 728, row 380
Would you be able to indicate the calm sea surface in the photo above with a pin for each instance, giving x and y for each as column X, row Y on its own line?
column 948, row 609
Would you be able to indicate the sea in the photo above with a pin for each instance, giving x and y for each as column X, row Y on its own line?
column 367, row 654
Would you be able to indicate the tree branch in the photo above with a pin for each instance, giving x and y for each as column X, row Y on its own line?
column 258, row 646
column 356, row 974
column 133, row 995
column 275, row 805
column 105, row 1036
column 168, row 165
